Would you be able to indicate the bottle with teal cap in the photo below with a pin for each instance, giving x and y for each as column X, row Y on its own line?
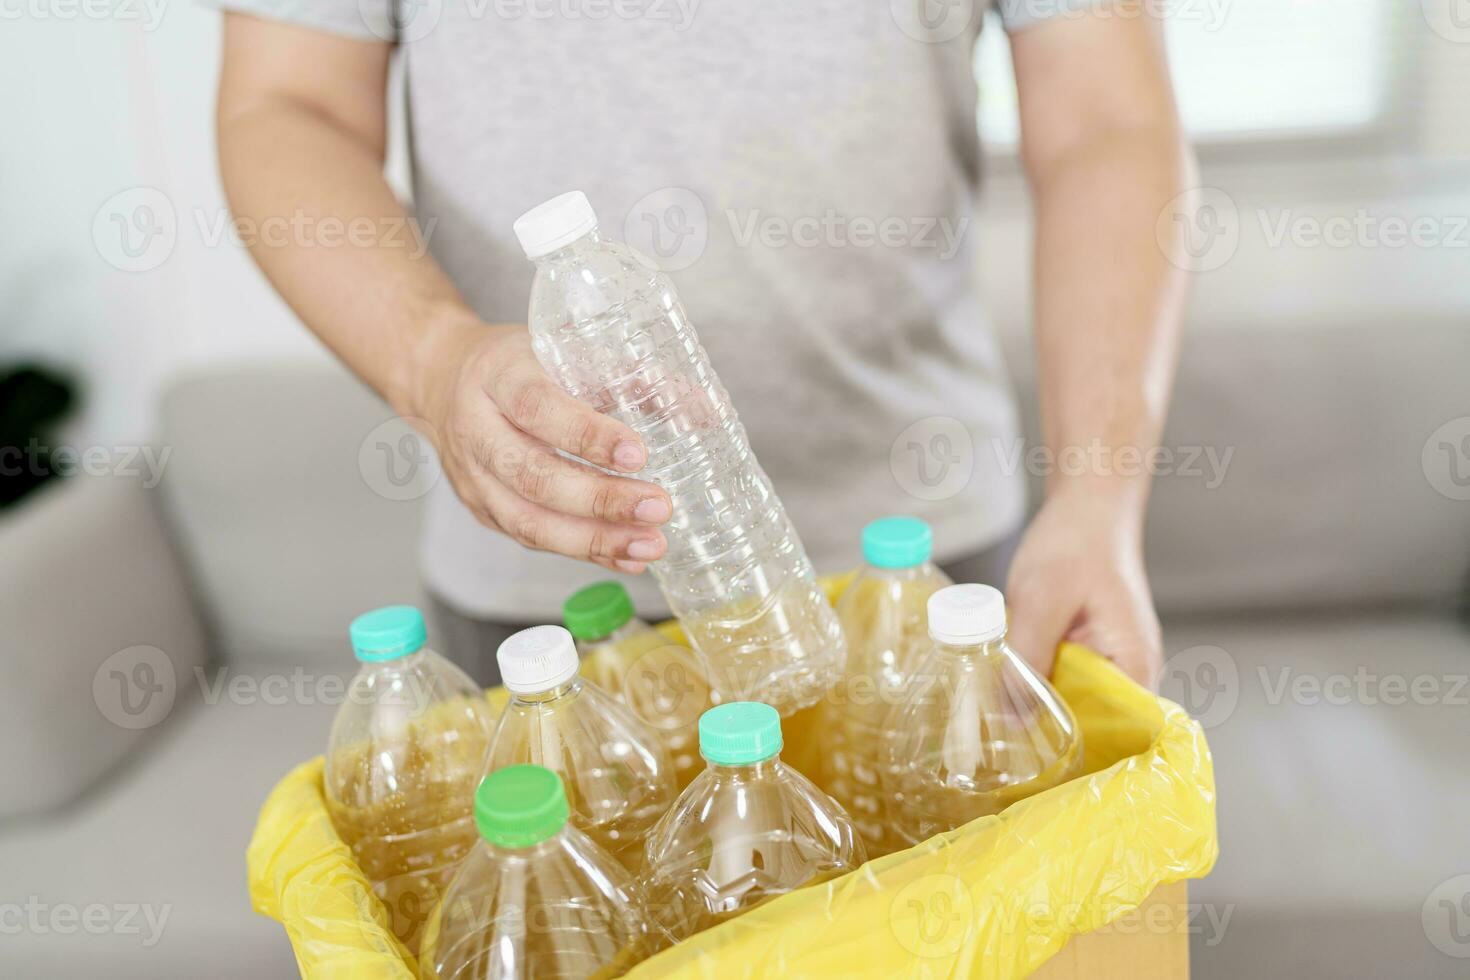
column 535, row 898
column 749, row 828
column 660, row 679
column 883, row 614
column 407, row 746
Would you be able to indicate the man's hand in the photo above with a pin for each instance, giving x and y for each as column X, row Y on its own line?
column 498, row 421
column 1078, row 576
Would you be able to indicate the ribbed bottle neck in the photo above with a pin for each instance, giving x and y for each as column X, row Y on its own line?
column 558, row 693
column 764, row 769
column 591, row 240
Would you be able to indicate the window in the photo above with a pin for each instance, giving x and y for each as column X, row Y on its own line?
column 1253, row 69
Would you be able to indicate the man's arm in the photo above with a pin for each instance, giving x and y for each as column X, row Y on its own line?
column 301, row 142
column 1104, row 155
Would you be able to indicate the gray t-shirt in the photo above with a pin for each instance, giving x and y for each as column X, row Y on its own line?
column 805, row 171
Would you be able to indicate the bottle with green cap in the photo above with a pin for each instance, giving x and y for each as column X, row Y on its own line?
column 660, row 679
column 978, row 729
column 749, row 828
column 407, row 747
column 617, row 773
column 883, row 614
column 535, row 899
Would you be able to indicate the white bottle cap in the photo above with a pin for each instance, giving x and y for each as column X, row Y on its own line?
column 537, row 659
column 555, row 224
column 963, row 615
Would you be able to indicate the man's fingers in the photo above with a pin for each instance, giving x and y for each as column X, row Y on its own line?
column 584, row 538
column 1037, row 626
column 538, row 473
column 536, row 405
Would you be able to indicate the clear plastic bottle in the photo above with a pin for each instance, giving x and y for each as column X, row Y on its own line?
column 978, row 728
column 661, row 680
column 407, row 748
column 612, row 332
column 617, row 775
column 535, row 899
column 883, row 616
column 747, row 829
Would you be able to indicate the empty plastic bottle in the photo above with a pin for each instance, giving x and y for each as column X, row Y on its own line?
column 978, row 728
column 617, row 775
column 612, row 332
column 535, row 899
column 662, row 681
column 747, row 829
column 883, row 616
column 407, row 748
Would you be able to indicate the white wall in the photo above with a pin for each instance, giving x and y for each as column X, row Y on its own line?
column 97, row 106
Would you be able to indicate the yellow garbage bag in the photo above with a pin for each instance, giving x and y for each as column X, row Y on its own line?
column 993, row 899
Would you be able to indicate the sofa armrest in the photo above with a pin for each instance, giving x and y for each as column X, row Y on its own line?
column 100, row 636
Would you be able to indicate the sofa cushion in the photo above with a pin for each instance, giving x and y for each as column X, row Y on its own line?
column 158, row 854
column 290, row 524
column 100, row 634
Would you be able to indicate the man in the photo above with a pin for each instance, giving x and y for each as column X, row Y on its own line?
column 755, row 122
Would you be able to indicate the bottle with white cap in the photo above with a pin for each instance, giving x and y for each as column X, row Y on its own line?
column 617, row 773
column 611, row 331
column 978, row 729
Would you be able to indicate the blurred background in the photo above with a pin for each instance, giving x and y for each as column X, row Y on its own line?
column 225, row 498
